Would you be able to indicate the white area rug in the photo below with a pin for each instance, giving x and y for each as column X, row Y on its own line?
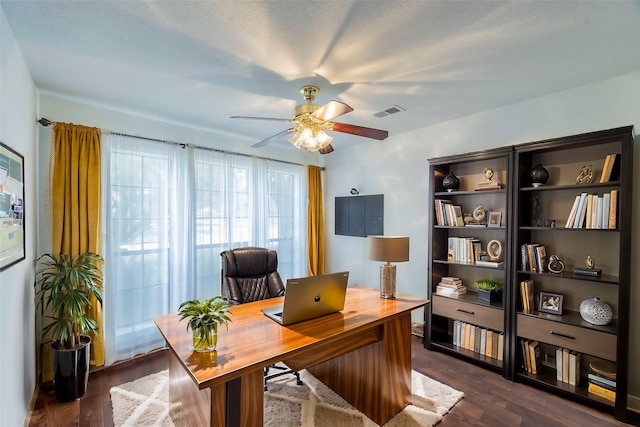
column 143, row 402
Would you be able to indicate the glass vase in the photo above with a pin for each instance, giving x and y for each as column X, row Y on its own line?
column 205, row 339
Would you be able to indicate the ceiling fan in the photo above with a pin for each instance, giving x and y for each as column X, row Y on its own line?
column 312, row 120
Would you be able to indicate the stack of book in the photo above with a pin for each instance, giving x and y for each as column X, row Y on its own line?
column 533, row 257
column 594, row 211
column 451, row 287
column 531, row 356
column 480, row 340
column 568, row 366
column 526, row 293
column 448, row 214
column 602, row 382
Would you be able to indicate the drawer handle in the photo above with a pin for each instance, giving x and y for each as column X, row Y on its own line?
column 562, row 335
column 465, row 311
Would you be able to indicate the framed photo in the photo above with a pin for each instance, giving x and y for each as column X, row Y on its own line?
column 12, row 243
column 550, row 303
column 495, row 218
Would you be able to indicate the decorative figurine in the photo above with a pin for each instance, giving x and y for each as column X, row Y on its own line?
column 585, row 176
column 451, row 182
column 490, row 184
column 539, row 175
column 590, row 263
column 555, row 265
column 494, row 250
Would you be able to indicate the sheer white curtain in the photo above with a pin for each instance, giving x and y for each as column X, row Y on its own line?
column 169, row 212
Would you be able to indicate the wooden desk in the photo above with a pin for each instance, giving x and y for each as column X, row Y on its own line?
column 363, row 353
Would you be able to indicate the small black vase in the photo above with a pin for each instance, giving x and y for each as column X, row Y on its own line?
column 451, row 182
column 539, row 175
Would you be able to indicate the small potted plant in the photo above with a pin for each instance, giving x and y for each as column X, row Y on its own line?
column 489, row 290
column 204, row 318
column 64, row 286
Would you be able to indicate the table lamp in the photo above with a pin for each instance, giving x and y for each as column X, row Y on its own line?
column 388, row 249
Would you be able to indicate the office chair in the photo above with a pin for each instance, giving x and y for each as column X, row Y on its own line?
column 251, row 274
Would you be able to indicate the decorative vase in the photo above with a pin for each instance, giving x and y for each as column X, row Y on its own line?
column 539, row 175
column 205, row 339
column 451, row 182
column 595, row 311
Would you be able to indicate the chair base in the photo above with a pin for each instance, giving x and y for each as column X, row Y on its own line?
column 284, row 370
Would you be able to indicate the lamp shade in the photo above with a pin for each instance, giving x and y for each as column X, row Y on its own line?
column 389, row 248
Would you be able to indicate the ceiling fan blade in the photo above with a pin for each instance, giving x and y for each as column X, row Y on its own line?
column 360, row 131
column 261, row 118
column 331, row 109
column 272, row 138
column 326, row 150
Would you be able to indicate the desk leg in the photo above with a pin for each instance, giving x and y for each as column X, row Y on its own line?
column 239, row 402
column 376, row 378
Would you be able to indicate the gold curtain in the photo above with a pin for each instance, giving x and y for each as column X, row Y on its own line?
column 315, row 222
column 75, row 203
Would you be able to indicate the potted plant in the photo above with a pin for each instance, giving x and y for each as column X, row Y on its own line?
column 64, row 287
column 489, row 290
column 204, row 318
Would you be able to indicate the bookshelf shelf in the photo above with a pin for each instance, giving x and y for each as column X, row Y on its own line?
column 524, row 210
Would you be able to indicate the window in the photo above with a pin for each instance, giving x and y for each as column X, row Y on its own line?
column 170, row 212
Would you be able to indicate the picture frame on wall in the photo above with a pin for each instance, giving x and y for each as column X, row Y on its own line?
column 550, row 303
column 12, row 207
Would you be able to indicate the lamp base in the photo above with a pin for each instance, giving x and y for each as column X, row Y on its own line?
column 387, row 281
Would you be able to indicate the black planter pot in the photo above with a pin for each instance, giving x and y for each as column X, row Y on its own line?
column 490, row 296
column 71, row 370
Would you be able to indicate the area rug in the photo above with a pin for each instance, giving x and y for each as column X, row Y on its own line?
column 143, row 402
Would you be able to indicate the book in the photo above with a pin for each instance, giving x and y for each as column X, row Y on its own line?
column 457, row 214
column 565, row 365
column 598, row 221
column 450, row 279
column 527, row 355
column 477, row 336
column 602, row 392
column 593, row 272
column 574, row 368
column 541, row 258
column 595, row 377
column 559, row 364
column 606, row 198
column 581, row 212
column 457, row 328
column 572, row 214
column 483, row 341
column 605, row 167
column 500, row 346
column 489, row 343
column 528, row 291
column 531, row 255
column 534, row 357
column 589, row 215
column 472, row 338
column 611, row 168
column 494, row 264
column 524, row 258
column 613, row 209
column 494, row 344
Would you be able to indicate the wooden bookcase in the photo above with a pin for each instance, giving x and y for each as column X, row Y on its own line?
column 443, row 312
column 609, row 247
column 539, row 215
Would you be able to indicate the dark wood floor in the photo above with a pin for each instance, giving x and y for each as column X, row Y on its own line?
column 489, row 400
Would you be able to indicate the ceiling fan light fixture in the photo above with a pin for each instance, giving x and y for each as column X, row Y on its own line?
column 310, row 138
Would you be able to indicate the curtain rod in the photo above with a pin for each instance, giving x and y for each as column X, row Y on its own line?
column 46, row 122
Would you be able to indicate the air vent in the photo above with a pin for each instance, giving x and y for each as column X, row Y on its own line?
column 389, row 111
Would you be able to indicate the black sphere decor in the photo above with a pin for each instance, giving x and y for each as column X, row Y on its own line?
column 539, row 175
column 451, row 182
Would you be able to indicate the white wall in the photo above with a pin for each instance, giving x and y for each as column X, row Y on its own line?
column 17, row 130
column 398, row 168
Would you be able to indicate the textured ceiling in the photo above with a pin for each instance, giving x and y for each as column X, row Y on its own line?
column 199, row 62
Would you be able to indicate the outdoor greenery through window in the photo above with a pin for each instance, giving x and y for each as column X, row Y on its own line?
column 170, row 211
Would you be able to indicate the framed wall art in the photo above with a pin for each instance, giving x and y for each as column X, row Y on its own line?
column 12, row 243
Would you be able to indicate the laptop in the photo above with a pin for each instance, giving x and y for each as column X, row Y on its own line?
column 310, row 297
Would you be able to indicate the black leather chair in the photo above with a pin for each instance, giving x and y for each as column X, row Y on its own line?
column 251, row 274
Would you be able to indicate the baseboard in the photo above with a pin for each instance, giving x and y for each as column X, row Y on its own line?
column 32, row 405
column 633, row 403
